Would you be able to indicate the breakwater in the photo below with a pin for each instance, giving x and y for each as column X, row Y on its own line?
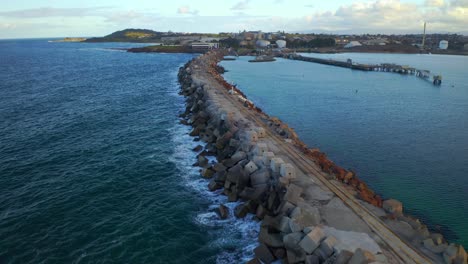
column 300, row 196
column 385, row 67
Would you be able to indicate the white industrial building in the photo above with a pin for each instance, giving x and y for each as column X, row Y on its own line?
column 443, row 44
column 352, row 44
column 281, row 43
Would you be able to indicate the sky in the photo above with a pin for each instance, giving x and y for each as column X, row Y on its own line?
column 86, row 18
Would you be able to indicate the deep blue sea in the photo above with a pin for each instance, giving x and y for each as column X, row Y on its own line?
column 94, row 165
column 405, row 137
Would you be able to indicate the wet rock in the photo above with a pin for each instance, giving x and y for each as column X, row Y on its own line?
column 241, row 210
column 393, row 206
column 219, row 167
column 207, row 173
column 198, row 148
column 213, row 185
column 362, row 257
column 202, row 161
column 312, row 240
column 223, row 211
column 264, row 254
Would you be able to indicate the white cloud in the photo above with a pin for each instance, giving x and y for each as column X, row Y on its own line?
column 186, row 10
column 242, row 5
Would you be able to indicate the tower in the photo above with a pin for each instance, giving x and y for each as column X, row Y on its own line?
column 424, row 36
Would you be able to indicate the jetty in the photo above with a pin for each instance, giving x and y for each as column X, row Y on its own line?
column 384, row 67
column 311, row 210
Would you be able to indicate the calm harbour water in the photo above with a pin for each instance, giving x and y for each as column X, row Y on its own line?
column 94, row 165
column 405, row 137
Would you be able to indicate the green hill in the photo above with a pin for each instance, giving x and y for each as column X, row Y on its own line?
column 130, row 35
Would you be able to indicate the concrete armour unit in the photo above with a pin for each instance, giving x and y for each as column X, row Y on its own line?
column 250, row 168
column 260, row 132
column 260, row 148
column 267, row 156
column 251, row 136
column 287, row 170
column 275, row 164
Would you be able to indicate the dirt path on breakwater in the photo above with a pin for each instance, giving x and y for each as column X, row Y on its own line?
column 307, row 215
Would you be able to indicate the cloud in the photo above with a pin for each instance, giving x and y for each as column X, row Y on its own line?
column 459, row 3
column 242, row 5
column 52, row 12
column 7, row 26
column 309, row 6
column 186, row 10
column 434, row 3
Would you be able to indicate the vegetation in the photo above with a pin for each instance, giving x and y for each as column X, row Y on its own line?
column 130, row 35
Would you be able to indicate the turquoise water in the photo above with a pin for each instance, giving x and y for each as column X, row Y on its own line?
column 94, row 165
column 405, row 137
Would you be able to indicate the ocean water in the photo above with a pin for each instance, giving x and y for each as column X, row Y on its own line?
column 94, row 165
column 405, row 137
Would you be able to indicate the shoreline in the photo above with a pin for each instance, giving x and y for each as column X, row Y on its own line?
column 193, row 86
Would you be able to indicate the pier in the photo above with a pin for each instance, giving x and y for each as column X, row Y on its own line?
column 384, row 67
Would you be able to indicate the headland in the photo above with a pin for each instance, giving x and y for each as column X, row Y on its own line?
column 311, row 210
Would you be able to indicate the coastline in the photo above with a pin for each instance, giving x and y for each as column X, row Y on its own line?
column 197, row 95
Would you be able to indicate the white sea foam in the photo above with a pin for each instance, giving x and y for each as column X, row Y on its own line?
column 236, row 238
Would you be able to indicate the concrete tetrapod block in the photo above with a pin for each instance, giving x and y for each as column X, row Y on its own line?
column 260, row 177
column 267, row 156
column 287, row 170
column 260, row 148
column 293, row 194
column 250, row 168
column 312, row 240
column 264, row 254
column 362, row 257
column 275, row 164
column 343, row 257
column 251, row 136
column 327, row 246
column 260, row 132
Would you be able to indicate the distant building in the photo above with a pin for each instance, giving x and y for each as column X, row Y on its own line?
column 281, row 43
column 341, row 41
column 374, row 42
column 203, row 46
column 443, row 44
column 352, row 44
